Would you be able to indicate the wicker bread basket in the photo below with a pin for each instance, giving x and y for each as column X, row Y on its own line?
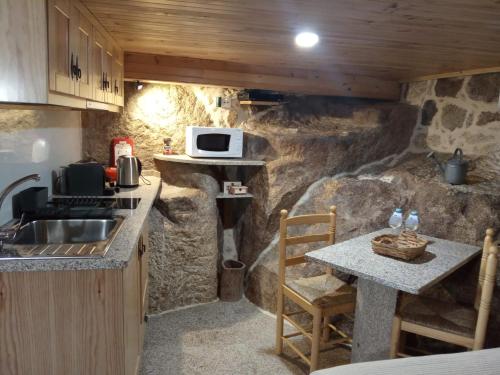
column 406, row 246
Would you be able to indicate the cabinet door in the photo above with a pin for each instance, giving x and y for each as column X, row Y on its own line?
column 23, row 46
column 98, row 53
column 82, row 46
column 118, row 76
column 144, row 277
column 60, row 54
column 132, row 312
column 108, row 72
column 62, row 322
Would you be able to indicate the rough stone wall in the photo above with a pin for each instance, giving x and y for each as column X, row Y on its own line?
column 309, row 145
column 151, row 114
column 457, row 112
column 364, row 203
column 305, row 140
column 451, row 113
column 301, row 141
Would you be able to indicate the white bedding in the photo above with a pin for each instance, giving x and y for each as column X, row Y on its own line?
column 481, row 362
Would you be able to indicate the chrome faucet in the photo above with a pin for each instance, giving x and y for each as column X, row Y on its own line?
column 9, row 233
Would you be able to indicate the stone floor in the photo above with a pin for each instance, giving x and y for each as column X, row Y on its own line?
column 220, row 338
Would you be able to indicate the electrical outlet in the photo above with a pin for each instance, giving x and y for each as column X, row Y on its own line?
column 223, row 102
column 226, row 103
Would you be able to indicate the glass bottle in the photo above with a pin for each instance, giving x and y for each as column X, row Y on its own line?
column 412, row 221
column 396, row 220
column 167, row 146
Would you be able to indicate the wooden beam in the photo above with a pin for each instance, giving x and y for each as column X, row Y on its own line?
column 460, row 73
column 212, row 72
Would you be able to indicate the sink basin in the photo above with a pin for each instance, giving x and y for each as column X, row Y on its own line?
column 66, row 231
column 63, row 238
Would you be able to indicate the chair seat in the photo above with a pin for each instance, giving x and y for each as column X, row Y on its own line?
column 439, row 315
column 323, row 290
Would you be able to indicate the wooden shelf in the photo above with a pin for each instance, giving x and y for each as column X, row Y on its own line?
column 259, row 102
column 233, row 196
column 209, row 161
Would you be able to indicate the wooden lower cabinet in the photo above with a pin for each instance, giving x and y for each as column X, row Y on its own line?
column 72, row 322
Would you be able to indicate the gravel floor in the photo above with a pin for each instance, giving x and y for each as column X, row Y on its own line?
column 219, row 338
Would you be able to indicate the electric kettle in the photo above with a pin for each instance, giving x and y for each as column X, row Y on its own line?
column 129, row 169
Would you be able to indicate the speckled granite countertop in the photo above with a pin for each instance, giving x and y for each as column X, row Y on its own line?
column 356, row 257
column 121, row 248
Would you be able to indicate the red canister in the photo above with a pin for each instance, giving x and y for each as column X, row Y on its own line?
column 121, row 146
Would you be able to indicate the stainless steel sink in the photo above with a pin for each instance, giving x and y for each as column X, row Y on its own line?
column 63, row 238
column 64, row 231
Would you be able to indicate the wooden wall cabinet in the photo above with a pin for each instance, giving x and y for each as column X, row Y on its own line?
column 63, row 39
column 74, row 322
column 82, row 54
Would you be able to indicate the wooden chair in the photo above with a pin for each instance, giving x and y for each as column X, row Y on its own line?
column 321, row 296
column 449, row 322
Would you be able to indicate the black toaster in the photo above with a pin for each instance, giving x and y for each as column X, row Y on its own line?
column 85, row 179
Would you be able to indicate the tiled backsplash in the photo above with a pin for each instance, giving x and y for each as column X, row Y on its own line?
column 36, row 141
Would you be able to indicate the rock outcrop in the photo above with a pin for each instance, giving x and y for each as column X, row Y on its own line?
column 184, row 243
column 365, row 201
column 304, row 142
column 301, row 141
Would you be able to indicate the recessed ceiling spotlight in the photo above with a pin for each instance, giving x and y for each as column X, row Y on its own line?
column 138, row 85
column 306, row 39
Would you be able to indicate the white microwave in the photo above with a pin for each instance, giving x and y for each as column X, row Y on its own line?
column 214, row 142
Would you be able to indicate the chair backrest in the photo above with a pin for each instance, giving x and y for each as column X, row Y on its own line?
column 488, row 241
column 488, row 284
column 285, row 241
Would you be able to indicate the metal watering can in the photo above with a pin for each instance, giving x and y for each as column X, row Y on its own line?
column 455, row 169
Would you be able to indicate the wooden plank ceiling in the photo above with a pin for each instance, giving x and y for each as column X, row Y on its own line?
column 397, row 40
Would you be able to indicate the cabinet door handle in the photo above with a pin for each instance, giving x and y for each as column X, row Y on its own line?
column 116, row 87
column 140, row 246
column 72, row 66
column 105, row 83
column 77, row 69
column 142, row 249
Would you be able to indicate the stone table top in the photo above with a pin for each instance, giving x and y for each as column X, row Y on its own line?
column 355, row 257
